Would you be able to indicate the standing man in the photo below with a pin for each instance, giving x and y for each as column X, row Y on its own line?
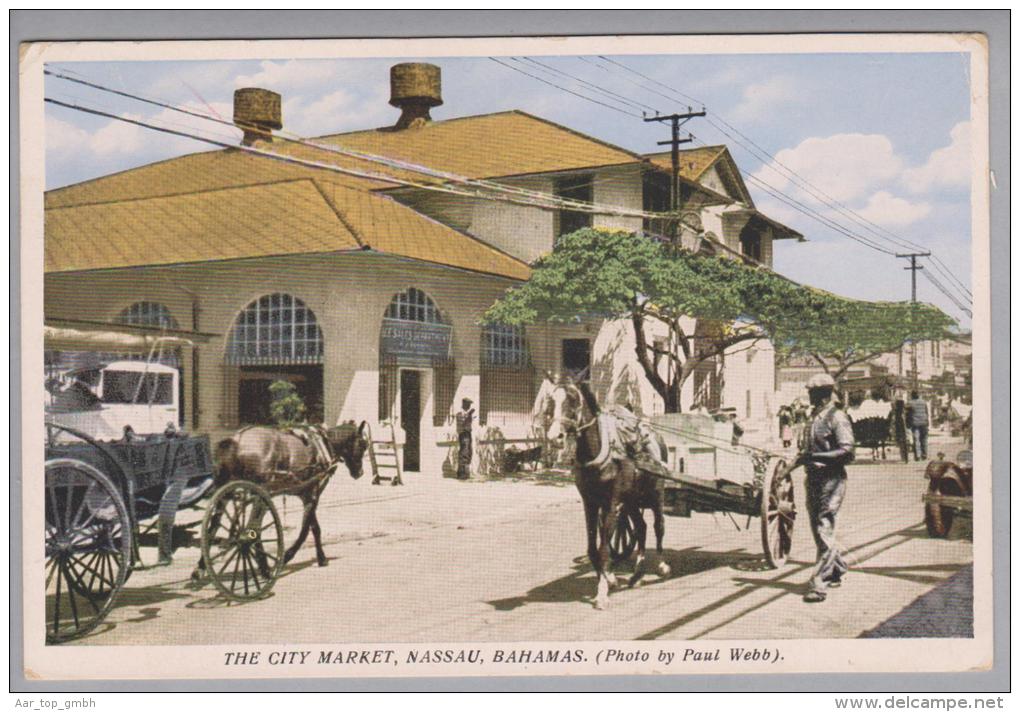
column 917, row 418
column 465, row 419
column 828, row 448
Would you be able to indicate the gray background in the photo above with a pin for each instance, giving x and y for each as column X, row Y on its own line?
column 35, row 25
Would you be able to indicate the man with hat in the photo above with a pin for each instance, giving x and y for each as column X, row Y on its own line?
column 828, row 448
column 465, row 418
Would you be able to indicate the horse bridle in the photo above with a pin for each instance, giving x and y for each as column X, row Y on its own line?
column 578, row 423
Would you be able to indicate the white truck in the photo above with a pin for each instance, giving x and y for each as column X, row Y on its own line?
column 100, row 402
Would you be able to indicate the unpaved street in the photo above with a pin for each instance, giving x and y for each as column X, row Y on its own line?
column 441, row 560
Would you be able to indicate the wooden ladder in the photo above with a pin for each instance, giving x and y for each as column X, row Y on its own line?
column 389, row 453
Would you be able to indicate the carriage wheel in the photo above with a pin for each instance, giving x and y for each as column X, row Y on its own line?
column 88, row 548
column 778, row 513
column 622, row 541
column 242, row 541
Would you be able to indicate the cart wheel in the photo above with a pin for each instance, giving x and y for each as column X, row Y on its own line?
column 778, row 513
column 242, row 541
column 88, row 548
column 622, row 541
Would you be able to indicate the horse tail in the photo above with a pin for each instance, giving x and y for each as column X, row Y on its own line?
column 228, row 464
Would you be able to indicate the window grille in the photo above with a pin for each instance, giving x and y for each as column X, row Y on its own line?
column 504, row 346
column 275, row 329
column 414, row 305
column 148, row 314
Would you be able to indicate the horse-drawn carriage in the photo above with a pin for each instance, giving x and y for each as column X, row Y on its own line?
column 101, row 491
column 675, row 464
column 706, row 472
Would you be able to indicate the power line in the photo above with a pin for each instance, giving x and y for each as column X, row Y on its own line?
column 569, row 91
column 529, row 197
column 595, row 87
column 791, row 175
column 687, row 97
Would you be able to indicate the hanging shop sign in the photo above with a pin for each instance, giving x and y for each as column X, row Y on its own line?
column 415, row 341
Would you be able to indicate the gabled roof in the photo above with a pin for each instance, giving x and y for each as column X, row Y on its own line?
column 696, row 162
column 214, row 197
column 507, row 143
column 486, row 146
column 299, row 216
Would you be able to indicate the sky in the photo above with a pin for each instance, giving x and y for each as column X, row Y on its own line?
column 884, row 135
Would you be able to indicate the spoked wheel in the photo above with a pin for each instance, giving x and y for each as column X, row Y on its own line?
column 242, row 541
column 622, row 541
column 88, row 548
column 778, row 513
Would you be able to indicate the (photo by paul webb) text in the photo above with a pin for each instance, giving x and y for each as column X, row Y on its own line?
column 506, row 356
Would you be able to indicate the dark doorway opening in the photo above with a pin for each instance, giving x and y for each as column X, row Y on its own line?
column 253, row 397
column 576, row 358
column 410, row 418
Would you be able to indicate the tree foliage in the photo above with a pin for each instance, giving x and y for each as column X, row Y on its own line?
column 596, row 273
column 286, row 407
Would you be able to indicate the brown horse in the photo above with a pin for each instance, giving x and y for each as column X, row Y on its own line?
column 610, row 487
column 296, row 461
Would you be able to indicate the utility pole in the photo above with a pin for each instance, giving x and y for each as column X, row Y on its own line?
column 676, row 121
column 914, row 267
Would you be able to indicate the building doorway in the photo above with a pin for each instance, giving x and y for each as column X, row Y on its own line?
column 576, row 358
column 410, row 417
column 254, row 398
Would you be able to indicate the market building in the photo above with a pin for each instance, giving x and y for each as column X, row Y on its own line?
column 365, row 287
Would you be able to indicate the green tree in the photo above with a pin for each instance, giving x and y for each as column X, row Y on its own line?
column 847, row 333
column 595, row 273
column 286, row 407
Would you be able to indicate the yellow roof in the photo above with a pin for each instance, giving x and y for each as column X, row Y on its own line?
column 287, row 217
column 122, row 220
column 489, row 146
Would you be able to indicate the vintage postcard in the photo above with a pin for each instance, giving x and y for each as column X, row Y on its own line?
column 542, row 356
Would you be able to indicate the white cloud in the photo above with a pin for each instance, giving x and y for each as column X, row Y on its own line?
column 291, row 74
column 336, row 112
column 107, row 146
column 844, row 166
column 947, row 167
column 762, row 98
column 887, row 210
column 62, row 137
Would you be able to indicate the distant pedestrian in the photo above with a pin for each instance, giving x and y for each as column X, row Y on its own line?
column 898, row 428
column 786, row 426
column 828, row 448
column 918, row 420
column 465, row 420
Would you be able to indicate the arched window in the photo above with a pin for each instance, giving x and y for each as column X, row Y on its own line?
column 414, row 305
column 275, row 329
column 147, row 314
column 504, row 346
column 151, row 314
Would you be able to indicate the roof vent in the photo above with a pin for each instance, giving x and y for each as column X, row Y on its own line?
column 415, row 87
column 257, row 112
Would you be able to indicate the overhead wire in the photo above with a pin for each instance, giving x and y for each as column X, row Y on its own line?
column 542, row 199
column 756, row 151
column 557, row 203
column 561, row 88
column 594, row 87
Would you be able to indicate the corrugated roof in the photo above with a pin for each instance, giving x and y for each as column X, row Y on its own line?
column 489, row 146
column 288, row 217
column 486, row 146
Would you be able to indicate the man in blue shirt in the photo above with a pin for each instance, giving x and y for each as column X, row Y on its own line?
column 829, row 447
column 917, row 419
